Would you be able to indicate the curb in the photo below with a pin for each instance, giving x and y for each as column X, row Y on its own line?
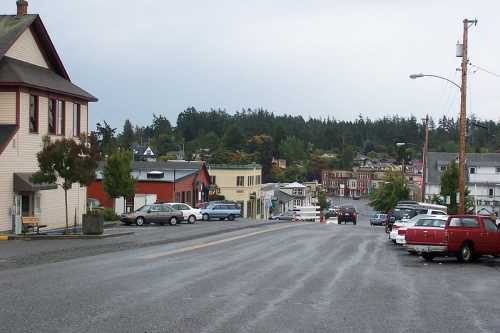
column 54, row 237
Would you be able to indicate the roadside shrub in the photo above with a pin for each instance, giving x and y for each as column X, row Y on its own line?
column 109, row 215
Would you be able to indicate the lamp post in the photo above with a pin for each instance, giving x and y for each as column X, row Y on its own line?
column 462, row 53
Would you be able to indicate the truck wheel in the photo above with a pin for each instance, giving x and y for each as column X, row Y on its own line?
column 428, row 256
column 466, row 253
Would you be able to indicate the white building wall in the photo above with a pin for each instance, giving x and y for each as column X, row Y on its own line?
column 26, row 49
column 20, row 156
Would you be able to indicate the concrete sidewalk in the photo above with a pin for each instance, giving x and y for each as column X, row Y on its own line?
column 20, row 253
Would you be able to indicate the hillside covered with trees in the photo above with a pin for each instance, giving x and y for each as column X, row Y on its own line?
column 259, row 135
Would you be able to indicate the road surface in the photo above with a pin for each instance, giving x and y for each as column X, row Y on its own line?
column 275, row 278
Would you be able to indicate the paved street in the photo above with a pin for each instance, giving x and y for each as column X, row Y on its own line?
column 274, row 278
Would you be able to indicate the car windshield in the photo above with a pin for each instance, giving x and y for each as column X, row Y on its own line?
column 348, row 209
column 144, row 208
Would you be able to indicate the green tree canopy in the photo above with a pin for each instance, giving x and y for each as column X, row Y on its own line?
column 127, row 138
column 393, row 189
column 117, row 178
column 65, row 162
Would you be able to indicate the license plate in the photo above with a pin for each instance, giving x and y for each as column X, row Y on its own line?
column 423, row 248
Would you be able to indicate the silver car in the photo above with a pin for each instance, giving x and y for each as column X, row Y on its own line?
column 158, row 214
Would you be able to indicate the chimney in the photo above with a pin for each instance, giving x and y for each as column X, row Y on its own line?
column 22, row 7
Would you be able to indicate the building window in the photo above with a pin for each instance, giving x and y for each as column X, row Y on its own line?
column 257, row 180
column 498, row 169
column 212, row 180
column 472, row 171
column 240, row 181
column 76, row 119
column 250, row 180
column 491, row 192
column 188, row 197
column 52, row 116
column 61, row 116
column 298, row 191
column 177, row 197
column 442, row 168
column 33, row 114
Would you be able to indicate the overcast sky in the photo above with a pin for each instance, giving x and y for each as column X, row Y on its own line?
column 311, row 58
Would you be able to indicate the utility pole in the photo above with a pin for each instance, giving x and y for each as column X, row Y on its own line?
column 463, row 118
column 424, row 157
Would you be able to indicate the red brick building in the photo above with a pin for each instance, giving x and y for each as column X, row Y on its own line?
column 172, row 181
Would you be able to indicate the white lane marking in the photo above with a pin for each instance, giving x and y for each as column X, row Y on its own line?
column 221, row 241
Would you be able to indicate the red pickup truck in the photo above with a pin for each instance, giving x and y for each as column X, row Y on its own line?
column 465, row 236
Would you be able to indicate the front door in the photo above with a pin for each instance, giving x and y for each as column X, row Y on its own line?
column 26, row 205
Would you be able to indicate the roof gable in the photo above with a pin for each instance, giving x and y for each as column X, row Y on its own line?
column 12, row 27
column 27, row 49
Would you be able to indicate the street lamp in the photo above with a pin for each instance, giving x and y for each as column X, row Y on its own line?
column 420, row 75
column 461, row 150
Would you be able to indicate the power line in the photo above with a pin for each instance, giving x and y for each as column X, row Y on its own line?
column 485, row 70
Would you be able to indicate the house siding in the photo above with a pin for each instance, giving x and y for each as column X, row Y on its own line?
column 20, row 156
column 26, row 49
column 7, row 108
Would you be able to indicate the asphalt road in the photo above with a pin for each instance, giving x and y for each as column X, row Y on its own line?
column 275, row 278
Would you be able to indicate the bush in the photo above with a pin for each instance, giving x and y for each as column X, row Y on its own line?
column 109, row 215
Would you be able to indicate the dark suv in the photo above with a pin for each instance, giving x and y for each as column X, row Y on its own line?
column 347, row 214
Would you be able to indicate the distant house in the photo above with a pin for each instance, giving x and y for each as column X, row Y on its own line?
column 37, row 98
column 279, row 163
column 482, row 178
column 143, row 153
column 283, row 197
column 172, row 181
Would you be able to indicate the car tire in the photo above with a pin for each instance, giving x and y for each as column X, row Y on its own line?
column 428, row 256
column 206, row 217
column 173, row 221
column 466, row 253
column 140, row 221
column 230, row 217
column 192, row 219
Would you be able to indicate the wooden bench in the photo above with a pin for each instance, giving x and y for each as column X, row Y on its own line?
column 32, row 222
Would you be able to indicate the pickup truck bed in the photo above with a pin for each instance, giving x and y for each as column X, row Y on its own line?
column 466, row 236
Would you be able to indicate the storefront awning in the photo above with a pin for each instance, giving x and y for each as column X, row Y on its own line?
column 23, row 183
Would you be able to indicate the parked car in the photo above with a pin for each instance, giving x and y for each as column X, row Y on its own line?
column 399, row 228
column 330, row 213
column 221, row 211
column 465, row 236
column 406, row 225
column 356, row 197
column 157, row 213
column 429, row 229
column 286, row 216
column 190, row 214
column 347, row 214
column 378, row 219
column 406, row 212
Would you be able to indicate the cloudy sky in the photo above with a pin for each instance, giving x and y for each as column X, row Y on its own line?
column 312, row 58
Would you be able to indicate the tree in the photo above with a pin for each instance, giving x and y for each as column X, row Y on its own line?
column 293, row 150
column 127, row 137
column 323, row 203
column 393, row 189
column 233, row 138
column 105, row 138
column 117, row 179
column 65, row 162
column 346, row 157
column 449, row 188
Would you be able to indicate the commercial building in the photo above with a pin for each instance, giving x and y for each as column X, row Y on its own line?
column 239, row 183
column 37, row 98
column 172, row 181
